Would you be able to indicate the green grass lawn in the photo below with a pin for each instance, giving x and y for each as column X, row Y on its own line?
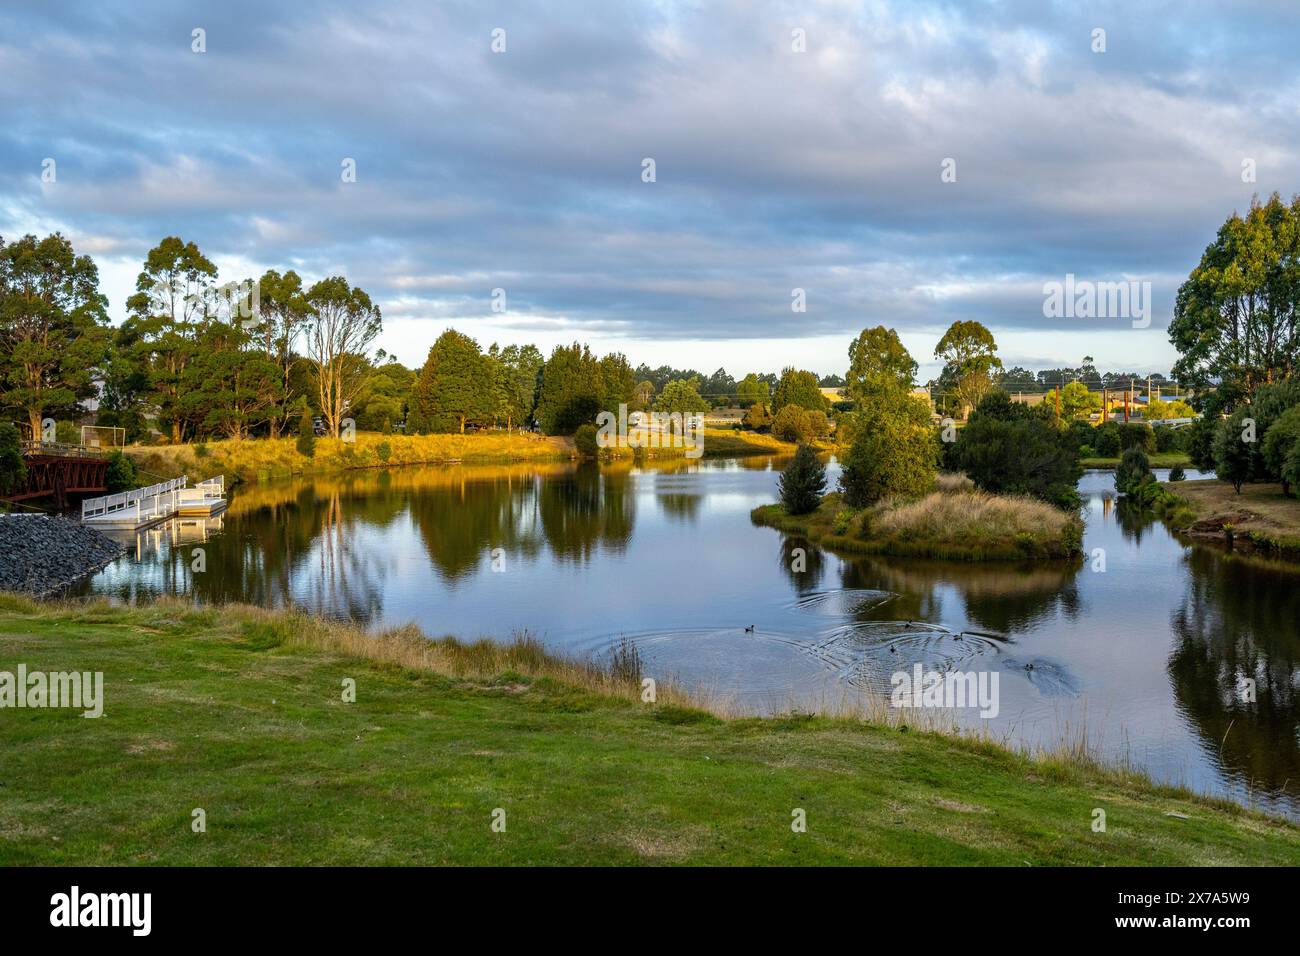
column 221, row 710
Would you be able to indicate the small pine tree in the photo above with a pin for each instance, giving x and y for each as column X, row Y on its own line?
column 1133, row 467
column 306, row 434
column 121, row 474
column 803, row 482
column 584, row 440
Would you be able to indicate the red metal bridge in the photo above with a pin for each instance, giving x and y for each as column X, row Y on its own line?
column 56, row 471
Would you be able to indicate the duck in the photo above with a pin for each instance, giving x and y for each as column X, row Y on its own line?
column 750, row 629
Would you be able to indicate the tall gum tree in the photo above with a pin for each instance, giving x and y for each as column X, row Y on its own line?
column 53, row 327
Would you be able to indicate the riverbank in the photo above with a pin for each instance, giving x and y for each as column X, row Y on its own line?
column 263, row 459
column 1166, row 459
column 239, row 713
column 1261, row 518
column 961, row 525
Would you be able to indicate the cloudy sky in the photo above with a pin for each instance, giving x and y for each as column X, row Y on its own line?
column 775, row 169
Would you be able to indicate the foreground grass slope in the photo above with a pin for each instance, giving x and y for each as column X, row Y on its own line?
column 239, row 712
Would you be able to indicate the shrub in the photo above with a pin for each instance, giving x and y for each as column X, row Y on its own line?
column 1134, row 468
column 66, row 433
column 1176, row 473
column 1199, row 443
column 201, row 450
column 1281, row 437
column 306, row 443
column 791, row 424
column 819, row 424
column 1012, row 449
column 758, row 418
column 13, row 471
column 121, row 474
column 1107, row 441
column 584, row 440
column 1291, row 467
column 803, row 482
column 894, row 453
column 1087, row 451
column 1232, row 453
column 384, row 451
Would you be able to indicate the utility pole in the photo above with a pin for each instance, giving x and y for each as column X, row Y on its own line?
column 1128, row 393
column 1105, row 405
column 1058, row 401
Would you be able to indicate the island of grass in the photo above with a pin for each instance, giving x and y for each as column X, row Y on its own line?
column 956, row 523
column 241, row 713
column 1260, row 518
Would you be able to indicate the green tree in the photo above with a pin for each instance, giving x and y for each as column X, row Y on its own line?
column 618, row 384
column 1235, row 318
column 120, row 475
column 13, row 471
column 792, row 424
column 970, row 361
column 53, row 327
column 341, row 324
column 1282, row 436
column 455, row 386
column 174, row 294
column 757, row 417
column 751, row 390
column 1233, row 451
column 681, row 396
column 306, row 441
column 1010, row 448
column 1078, row 402
column 803, row 482
column 1134, row 468
column 878, row 360
column 521, row 365
column 387, row 395
column 797, row 387
column 572, row 390
column 894, row 453
column 283, row 314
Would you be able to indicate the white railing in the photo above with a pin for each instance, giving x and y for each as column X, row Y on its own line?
column 144, row 503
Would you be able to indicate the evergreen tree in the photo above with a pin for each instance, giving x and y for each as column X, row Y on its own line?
column 803, row 482
column 572, row 390
column 457, row 384
column 798, row 388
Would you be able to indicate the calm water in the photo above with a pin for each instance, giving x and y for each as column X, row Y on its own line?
column 1146, row 655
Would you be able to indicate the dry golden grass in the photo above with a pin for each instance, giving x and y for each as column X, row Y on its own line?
column 952, row 481
column 968, row 516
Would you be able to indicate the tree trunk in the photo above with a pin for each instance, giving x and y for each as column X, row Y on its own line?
column 34, row 420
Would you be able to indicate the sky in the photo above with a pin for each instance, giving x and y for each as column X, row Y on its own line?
column 906, row 164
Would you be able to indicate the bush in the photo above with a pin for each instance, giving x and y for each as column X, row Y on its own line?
column 1107, row 442
column 1233, row 460
column 819, row 424
column 13, row 471
column 66, row 433
column 121, row 474
column 201, row 450
column 1170, row 439
column 1012, row 449
column 1291, row 467
column 1176, row 473
column 384, row 451
column 792, row 424
column 758, row 418
column 1281, row 437
column 1134, row 468
column 803, row 482
column 584, row 440
column 894, row 453
column 1199, row 443
column 1087, row 451
column 306, row 443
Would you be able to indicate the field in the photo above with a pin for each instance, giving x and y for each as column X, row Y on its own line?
column 239, row 713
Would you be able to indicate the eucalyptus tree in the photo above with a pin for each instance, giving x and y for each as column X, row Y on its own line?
column 341, row 325
column 53, row 327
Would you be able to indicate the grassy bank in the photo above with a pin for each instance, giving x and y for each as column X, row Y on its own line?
column 959, row 524
column 265, row 458
column 1260, row 518
column 239, row 712
column 1165, row 459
